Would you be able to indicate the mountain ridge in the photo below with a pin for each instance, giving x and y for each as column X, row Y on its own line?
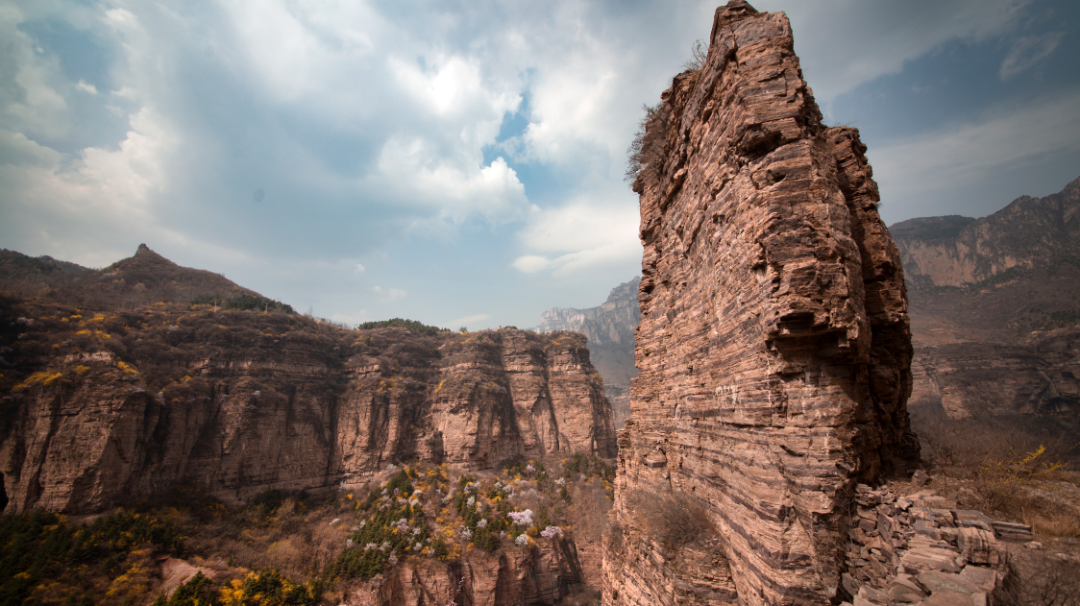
column 609, row 328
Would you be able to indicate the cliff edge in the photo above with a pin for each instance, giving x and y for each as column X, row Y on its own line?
column 100, row 408
column 609, row 329
column 774, row 348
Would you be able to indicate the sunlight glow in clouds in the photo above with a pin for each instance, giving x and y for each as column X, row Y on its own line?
column 469, row 154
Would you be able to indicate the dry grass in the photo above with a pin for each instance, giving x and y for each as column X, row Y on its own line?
column 298, row 537
column 673, row 519
column 1042, row 583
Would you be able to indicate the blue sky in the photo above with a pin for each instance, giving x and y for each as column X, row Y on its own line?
column 460, row 163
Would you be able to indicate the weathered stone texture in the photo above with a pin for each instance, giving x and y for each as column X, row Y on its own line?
column 610, row 331
column 263, row 402
column 774, row 347
column 540, row 574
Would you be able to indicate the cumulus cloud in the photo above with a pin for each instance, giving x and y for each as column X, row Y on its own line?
column 584, row 234
column 1027, row 51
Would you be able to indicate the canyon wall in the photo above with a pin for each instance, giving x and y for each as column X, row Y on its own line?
column 774, row 346
column 995, row 310
column 610, row 331
column 1030, row 233
column 102, row 408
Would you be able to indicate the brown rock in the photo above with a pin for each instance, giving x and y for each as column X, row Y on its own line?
column 540, row 574
column 238, row 403
column 978, row 546
column 774, row 349
column 610, row 332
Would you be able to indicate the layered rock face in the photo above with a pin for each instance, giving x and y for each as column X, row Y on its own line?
column 542, row 575
column 102, row 408
column 610, row 330
column 774, row 347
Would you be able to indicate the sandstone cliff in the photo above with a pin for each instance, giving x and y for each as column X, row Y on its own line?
column 101, row 408
column 610, row 331
column 774, row 348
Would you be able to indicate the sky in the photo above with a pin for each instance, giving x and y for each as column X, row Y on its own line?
column 461, row 162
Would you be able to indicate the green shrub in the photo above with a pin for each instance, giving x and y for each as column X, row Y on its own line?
column 412, row 325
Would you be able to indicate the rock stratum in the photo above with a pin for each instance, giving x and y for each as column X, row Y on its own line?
column 774, row 345
column 99, row 408
column 609, row 328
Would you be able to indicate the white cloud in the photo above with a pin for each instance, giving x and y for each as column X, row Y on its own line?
column 530, row 264
column 86, row 88
column 415, row 170
column 590, row 232
column 34, row 102
column 388, row 295
column 584, row 222
column 360, row 268
column 1026, row 51
column 79, row 211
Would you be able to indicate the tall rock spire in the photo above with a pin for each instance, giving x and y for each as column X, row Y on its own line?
column 774, row 349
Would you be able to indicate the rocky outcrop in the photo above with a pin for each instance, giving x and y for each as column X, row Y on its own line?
column 610, row 331
column 102, row 408
column 144, row 278
column 539, row 574
column 1029, row 233
column 920, row 549
column 774, row 348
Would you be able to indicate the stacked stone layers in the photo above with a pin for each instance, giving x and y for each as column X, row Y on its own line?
column 542, row 574
column 294, row 411
column 774, row 347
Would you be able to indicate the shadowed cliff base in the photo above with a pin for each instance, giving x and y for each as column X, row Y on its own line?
column 774, row 348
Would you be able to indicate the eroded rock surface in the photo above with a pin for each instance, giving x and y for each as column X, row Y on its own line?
column 540, row 574
column 774, row 348
column 102, row 408
column 610, row 331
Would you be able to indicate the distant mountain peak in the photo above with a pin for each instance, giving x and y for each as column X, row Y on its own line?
column 1028, row 234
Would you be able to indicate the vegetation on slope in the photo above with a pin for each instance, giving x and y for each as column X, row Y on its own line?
column 292, row 548
column 402, row 323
